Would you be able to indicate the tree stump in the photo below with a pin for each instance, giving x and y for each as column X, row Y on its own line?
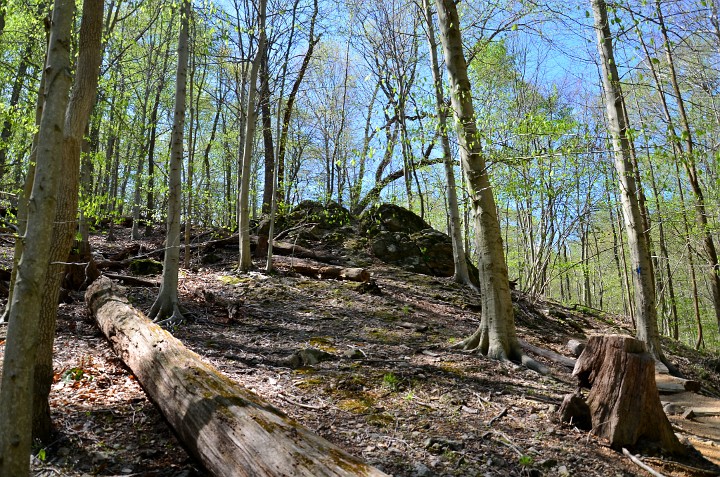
column 623, row 399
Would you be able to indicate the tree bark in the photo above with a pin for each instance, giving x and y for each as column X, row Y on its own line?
column 16, row 390
column 496, row 335
column 646, row 315
column 245, row 260
column 82, row 100
column 230, row 430
column 167, row 306
column 461, row 270
column 623, row 399
column 701, row 214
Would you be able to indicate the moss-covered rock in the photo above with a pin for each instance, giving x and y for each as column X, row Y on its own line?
column 145, row 266
column 391, row 218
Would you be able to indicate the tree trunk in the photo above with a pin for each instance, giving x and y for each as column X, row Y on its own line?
column 461, row 270
column 495, row 336
column 245, row 260
column 167, row 306
column 17, row 378
column 230, row 430
column 646, row 315
column 82, row 100
column 268, row 146
column 624, row 400
column 691, row 169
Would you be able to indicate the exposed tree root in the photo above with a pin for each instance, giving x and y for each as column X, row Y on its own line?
column 167, row 311
column 479, row 343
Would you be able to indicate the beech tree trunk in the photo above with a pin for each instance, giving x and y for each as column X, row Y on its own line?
column 167, row 305
column 461, row 270
column 624, row 401
column 496, row 335
column 16, row 389
column 230, row 430
column 647, row 329
column 245, row 260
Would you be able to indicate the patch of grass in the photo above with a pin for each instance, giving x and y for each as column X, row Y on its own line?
column 391, row 382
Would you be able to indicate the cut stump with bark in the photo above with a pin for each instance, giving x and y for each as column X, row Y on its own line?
column 623, row 399
column 230, row 430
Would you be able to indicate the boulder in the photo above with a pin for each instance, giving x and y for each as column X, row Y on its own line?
column 391, row 218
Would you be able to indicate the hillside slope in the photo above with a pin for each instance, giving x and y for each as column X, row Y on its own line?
column 392, row 392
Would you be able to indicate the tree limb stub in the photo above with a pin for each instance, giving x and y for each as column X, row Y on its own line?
column 230, row 430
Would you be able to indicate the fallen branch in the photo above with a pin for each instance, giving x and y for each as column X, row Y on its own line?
column 546, row 353
column 229, row 429
column 642, row 465
column 326, row 272
column 668, row 384
column 133, row 281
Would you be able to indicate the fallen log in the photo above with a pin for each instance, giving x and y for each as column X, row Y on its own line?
column 546, row 353
column 230, row 430
column 668, row 384
column 326, row 272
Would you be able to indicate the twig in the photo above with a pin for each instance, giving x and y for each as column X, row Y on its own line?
column 299, row 404
column 506, row 441
column 503, row 413
column 642, row 465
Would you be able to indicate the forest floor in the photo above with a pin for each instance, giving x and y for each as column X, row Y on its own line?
column 406, row 403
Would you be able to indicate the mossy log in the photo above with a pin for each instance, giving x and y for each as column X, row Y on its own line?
column 623, row 399
column 227, row 428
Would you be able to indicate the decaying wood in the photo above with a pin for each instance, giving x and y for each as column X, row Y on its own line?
column 279, row 248
column 575, row 411
column 623, row 399
column 133, row 281
column 125, row 253
column 324, row 272
column 230, row 430
column 667, row 384
column 549, row 354
column 112, row 264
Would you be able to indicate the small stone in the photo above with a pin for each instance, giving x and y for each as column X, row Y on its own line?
column 126, row 470
column 672, row 409
column 563, row 472
column 421, row 470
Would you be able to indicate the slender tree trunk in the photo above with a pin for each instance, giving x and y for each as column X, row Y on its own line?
column 16, row 389
column 167, row 306
column 269, row 147
column 647, row 329
column 495, row 336
column 245, row 261
column 691, row 169
column 461, row 269
column 7, row 128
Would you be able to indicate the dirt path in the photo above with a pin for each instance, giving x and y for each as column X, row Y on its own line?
column 703, row 430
